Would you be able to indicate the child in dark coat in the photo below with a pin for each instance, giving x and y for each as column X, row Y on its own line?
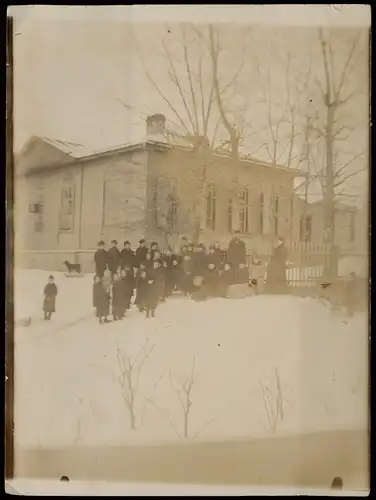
column 154, row 288
column 101, row 300
column 118, row 305
column 50, row 294
column 129, row 285
column 170, row 267
column 141, row 285
column 211, row 276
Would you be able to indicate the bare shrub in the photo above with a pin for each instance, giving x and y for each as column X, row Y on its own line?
column 128, row 379
column 273, row 402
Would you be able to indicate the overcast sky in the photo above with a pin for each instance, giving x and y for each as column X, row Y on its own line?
column 72, row 66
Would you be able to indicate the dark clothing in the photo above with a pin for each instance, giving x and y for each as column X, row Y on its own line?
column 212, row 282
column 118, row 304
column 154, row 287
column 101, row 261
column 127, row 258
column 169, row 273
column 113, row 259
column 237, row 255
column 276, row 271
column 237, row 252
column 187, row 268
column 129, row 282
column 199, row 263
column 141, row 285
column 101, row 300
column 49, row 303
column 140, row 255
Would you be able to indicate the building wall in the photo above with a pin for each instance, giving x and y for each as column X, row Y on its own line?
column 96, row 183
column 342, row 222
column 185, row 168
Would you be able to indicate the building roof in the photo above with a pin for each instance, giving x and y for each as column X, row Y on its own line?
column 72, row 152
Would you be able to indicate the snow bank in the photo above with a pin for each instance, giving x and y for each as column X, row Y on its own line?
column 67, row 388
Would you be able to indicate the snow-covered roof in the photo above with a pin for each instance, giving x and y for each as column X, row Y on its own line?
column 77, row 151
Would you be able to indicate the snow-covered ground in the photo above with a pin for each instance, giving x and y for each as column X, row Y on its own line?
column 246, row 355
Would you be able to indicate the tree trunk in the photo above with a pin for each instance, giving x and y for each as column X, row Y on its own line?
column 329, row 195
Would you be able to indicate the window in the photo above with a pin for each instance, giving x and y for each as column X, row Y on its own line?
column 210, row 206
column 275, row 213
column 165, row 203
column 172, row 212
column 243, row 211
column 229, row 215
column 37, row 208
column 67, row 205
column 306, row 228
column 261, row 214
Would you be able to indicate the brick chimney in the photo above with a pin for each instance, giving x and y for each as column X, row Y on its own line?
column 155, row 124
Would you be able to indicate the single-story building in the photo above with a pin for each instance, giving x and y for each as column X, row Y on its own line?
column 159, row 188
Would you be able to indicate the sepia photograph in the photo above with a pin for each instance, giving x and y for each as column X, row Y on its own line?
column 190, row 269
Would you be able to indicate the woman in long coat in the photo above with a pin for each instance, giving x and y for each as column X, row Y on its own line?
column 101, row 300
column 50, row 293
column 276, row 271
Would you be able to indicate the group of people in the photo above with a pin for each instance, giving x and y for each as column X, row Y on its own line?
column 149, row 275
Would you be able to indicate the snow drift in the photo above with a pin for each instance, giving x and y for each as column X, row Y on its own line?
column 254, row 367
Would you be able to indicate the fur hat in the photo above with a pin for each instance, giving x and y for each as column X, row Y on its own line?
column 114, row 242
column 153, row 244
column 127, row 243
column 142, row 241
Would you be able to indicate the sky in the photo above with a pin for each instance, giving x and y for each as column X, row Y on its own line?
column 73, row 65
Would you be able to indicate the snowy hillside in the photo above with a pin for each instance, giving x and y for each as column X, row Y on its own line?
column 253, row 367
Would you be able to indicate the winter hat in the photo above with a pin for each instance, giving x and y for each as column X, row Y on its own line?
column 114, row 242
column 127, row 243
column 51, row 277
column 142, row 241
column 153, row 244
column 101, row 243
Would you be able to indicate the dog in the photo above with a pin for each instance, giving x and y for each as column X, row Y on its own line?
column 72, row 267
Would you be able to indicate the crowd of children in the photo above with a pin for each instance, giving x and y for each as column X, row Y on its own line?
column 148, row 276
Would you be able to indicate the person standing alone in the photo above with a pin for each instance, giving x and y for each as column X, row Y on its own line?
column 50, row 294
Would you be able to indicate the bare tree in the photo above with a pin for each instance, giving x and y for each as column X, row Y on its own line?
column 128, row 379
column 342, row 82
column 273, row 401
column 183, row 391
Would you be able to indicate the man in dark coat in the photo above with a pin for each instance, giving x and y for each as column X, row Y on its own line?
column 276, row 270
column 237, row 257
column 127, row 257
column 113, row 258
column 50, row 294
column 199, row 260
column 212, row 272
column 186, row 269
column 141, row 285
column 154, row 288
column 100, row 259
column 141, row 252
column 220, row 253
column 168, row 259
column 101, row 300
